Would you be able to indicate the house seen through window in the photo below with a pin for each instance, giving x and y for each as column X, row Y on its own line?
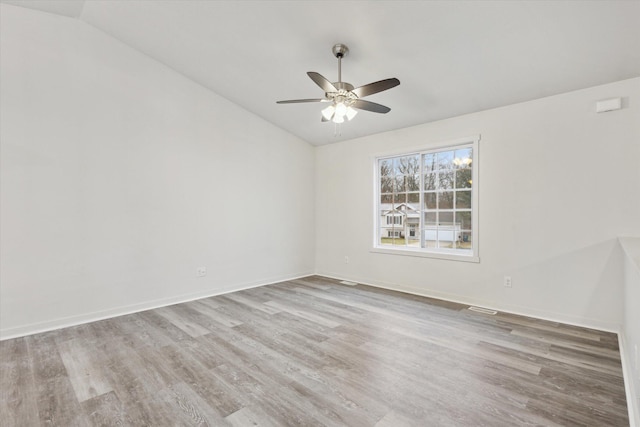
column 425, row 201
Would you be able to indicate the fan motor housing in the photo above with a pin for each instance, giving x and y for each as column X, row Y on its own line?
column 343, row 85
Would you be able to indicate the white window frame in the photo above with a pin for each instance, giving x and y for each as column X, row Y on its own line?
column 439, row 253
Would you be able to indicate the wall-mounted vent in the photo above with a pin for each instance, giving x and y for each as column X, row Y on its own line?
column 608, row 105
column 483, row 310
column 348, row 283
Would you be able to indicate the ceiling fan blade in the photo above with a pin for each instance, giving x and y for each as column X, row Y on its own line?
column 361, row 104
column 324, row 119
column 324, row 84
column 298, row 101
column 376, row 87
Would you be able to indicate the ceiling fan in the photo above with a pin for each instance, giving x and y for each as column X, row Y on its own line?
column 344, row 98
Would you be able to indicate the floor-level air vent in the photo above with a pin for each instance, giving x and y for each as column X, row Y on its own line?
column 482, row 310
column 348, row 283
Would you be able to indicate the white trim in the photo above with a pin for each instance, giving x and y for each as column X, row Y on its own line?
column 425, row 253
column 65, row 322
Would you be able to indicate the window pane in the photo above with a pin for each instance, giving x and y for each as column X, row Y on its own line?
column 462, row 158
column 414, row 198
column 386, row 167
column 431, row 218
column 399, row 184
column 407, row 165
column 463, row 199
column 397, row 166
column 386, row 224
column 413, row 165
column 446, row 237
column 445, row 160
column 413, row 183
column 430, row 200
column 386, row 198
column 430, row 230
column 445, row 218
column 467, row 242
column 445, row 179
column 463, row 178
column 445, row 200
column 386, row 236
column 464, row 240
column 430, row 181
column 386, row 184
column 430, row 162
column 414, row 238
column 400, row 198
column 463, row 220
column 446, row 230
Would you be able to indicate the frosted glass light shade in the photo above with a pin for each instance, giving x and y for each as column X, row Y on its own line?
column 328, row 112
column 341, row 109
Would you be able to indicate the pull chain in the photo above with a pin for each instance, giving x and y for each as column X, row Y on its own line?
column 337, row 131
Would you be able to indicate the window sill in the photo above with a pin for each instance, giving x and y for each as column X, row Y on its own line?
column 426, row 254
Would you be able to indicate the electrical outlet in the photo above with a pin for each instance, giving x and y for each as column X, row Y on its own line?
column 507, row 281
column 346, row 260
column 201, row 271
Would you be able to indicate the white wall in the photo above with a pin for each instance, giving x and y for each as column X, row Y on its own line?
column 119, row 177
column 558, row 183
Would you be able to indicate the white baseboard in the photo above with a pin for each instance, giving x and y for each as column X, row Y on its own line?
column 518, row 310
column 50, row 325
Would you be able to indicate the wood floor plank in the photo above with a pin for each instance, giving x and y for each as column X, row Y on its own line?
column 393, row 419
column 325, row 321
column 18, row 404
column 223, row 400
column 251, row 416
column 57, row 399
column 248, row 301
column 268, row 391
column 188, row 325
column 81, row 365
column 164, row 325
column 213, row 311
column 106, row 410
column 140, row 332
column 57, row 404
column 189, row 408
column 314, row 352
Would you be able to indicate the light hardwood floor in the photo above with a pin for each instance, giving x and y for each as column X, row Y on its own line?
column 314, row 352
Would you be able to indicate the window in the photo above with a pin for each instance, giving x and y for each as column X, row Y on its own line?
column 394, row 219
column 426, row 202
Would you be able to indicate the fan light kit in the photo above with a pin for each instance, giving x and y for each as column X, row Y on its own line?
column 344, row 99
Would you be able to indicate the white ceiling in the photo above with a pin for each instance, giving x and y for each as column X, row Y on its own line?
column 452, row 57
column 72, row 8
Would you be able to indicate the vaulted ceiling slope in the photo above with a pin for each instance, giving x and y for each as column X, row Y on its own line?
column 452, row 57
